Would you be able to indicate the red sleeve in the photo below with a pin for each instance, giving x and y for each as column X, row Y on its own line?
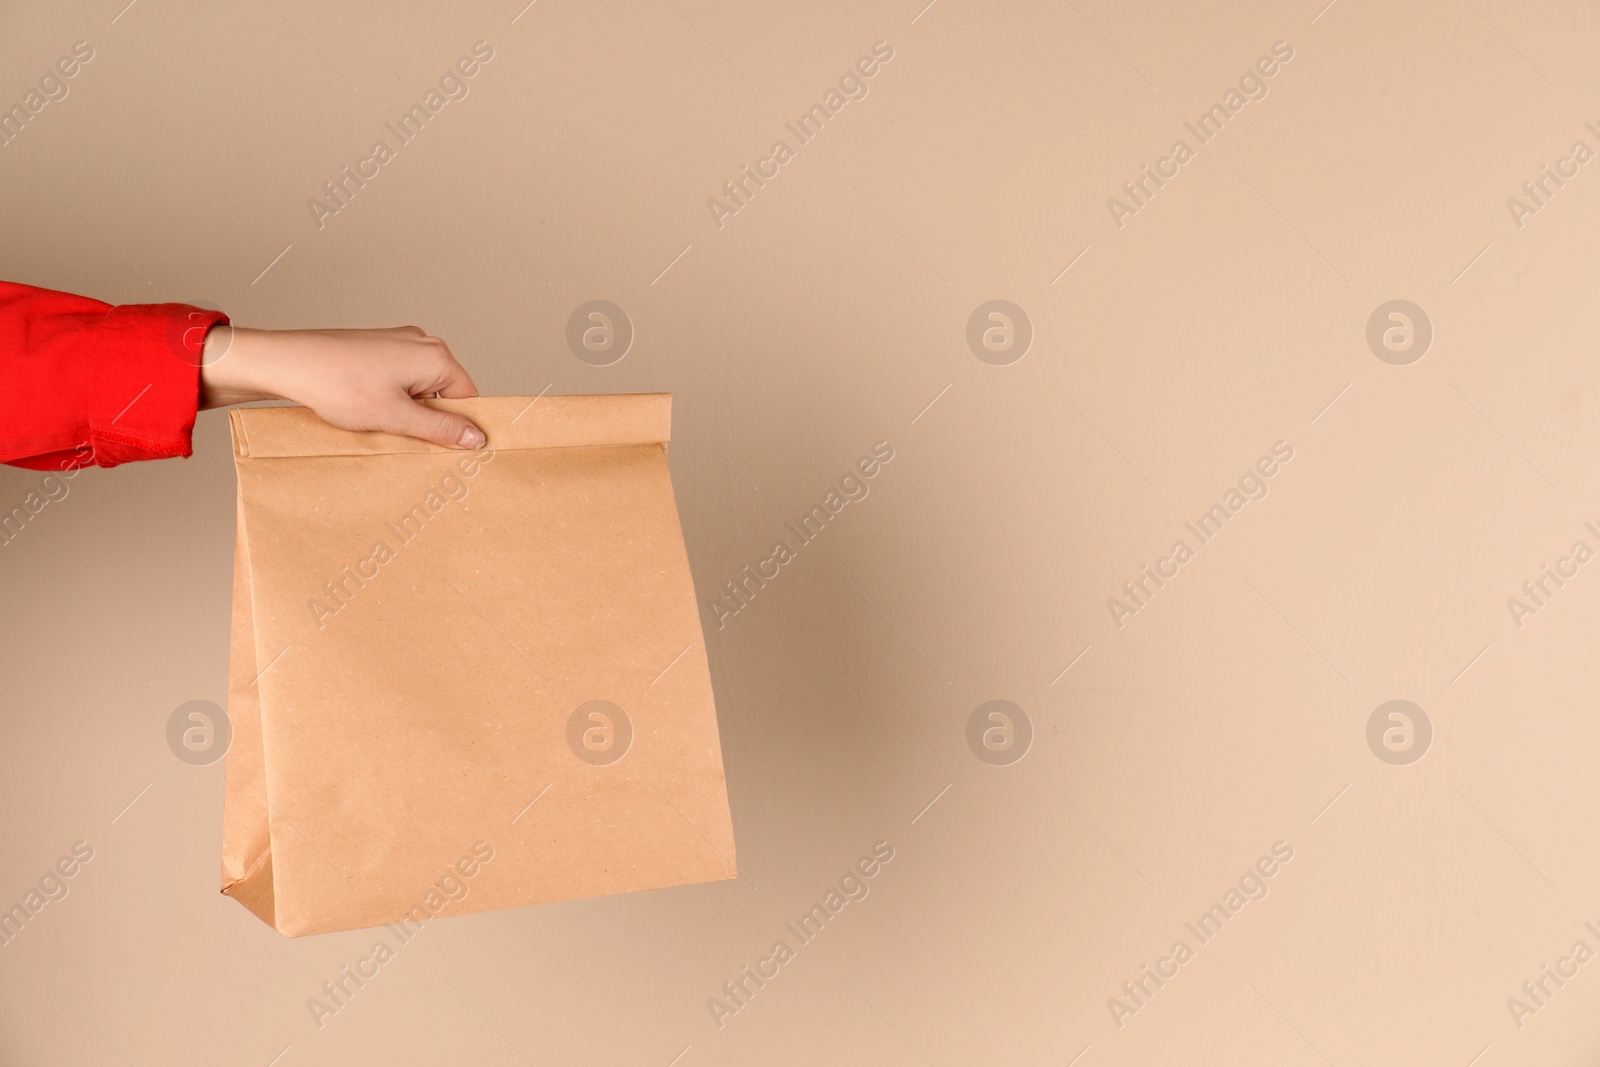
column 87, row 383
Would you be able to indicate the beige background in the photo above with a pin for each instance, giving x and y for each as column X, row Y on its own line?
column 826, row 316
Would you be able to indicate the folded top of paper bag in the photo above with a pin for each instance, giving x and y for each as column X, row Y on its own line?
column 509, row 422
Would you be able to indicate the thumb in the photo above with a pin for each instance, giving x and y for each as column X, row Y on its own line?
column 430, row 424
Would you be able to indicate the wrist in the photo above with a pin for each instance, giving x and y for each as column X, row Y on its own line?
column 232, row 365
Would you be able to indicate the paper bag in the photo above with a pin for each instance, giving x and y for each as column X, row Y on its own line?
column 463, row 681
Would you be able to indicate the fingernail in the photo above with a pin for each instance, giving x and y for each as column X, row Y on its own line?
column 472, row 437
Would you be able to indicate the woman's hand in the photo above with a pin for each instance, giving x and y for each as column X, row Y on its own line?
column 355, row 379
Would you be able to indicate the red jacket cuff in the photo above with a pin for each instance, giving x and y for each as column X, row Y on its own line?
column 147, row 381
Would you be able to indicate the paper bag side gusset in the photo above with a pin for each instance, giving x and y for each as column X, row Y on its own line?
column 246, row 848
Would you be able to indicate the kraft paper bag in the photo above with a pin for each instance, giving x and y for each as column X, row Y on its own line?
column 463, row 681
